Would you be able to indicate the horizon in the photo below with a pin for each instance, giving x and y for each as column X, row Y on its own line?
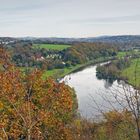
column 69, row 37
column 69, row 19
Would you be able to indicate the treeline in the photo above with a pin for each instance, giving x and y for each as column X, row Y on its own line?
column 25, row 55
column 126, row 42
column 84, row 52
column 112, row 70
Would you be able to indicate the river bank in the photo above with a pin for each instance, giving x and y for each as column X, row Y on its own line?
column 130, row 74
column 89, row 88
column 60, row 73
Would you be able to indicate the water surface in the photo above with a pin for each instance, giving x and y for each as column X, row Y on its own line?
column 92, row 92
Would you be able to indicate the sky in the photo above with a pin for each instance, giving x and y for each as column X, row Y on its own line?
column 69, row 18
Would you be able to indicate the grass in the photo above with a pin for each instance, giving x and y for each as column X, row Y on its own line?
column 125, row 53
column 121, row 54
column 59, row 73
column 52, row 46
column 56, row 73
column 132, row 73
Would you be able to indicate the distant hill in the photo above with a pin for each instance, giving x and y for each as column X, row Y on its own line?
column 124, row 41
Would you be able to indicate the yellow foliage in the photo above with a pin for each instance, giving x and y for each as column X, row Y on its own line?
column 1, row 105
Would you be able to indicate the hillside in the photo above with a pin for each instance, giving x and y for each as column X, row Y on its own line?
column 123, row 42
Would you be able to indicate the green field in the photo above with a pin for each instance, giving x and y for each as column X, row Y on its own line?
column 125, row 53
column 58, row 73
column 132, row 73
column 52, row 46
column 121, row 54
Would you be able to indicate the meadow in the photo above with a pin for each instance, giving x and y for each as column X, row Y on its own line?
column 127, row 53
column 52, row 46
column 132, row 73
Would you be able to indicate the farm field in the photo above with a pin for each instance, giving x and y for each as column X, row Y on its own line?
column 125, row 53
column 132, row 73
column 52, row 46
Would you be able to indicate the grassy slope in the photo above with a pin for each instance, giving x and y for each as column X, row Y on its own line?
column 125, row 53
column 58, row 73
column 129, row 72
column 52, row 46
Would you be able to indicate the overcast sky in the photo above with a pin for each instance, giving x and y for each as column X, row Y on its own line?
column 69, row 18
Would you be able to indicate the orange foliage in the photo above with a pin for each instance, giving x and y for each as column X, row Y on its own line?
column 33, row 108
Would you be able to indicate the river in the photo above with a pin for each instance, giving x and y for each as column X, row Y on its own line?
column 93, row 93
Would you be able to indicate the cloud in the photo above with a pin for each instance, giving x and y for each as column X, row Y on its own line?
column 108, row 20
column 69, row 18
column 21, row 8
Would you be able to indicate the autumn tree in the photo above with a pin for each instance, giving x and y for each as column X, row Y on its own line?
column 33, row 108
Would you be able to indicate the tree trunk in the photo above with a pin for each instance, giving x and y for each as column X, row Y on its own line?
column 138, row 128
column 29, row 134
column 5, row 133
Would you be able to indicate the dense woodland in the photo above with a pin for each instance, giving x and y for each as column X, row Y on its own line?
column 33, row 108
column 83, row 52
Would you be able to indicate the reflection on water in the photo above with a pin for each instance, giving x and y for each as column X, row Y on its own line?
column 87, row 87
column 108, row 83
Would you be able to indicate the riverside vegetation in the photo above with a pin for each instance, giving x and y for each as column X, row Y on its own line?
column 125, row 68
column 59, row 61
